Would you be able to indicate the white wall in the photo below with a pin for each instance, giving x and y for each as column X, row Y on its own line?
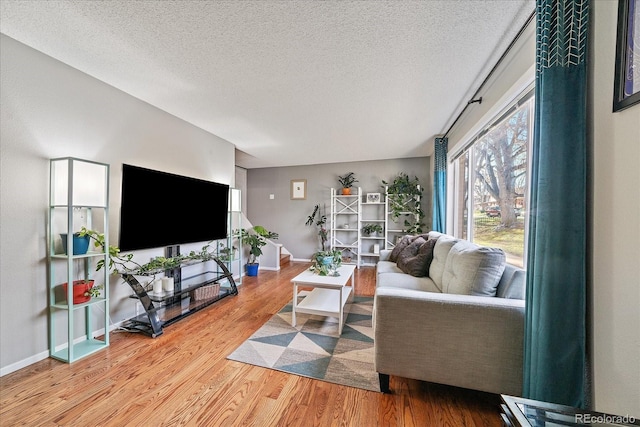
column 616, row 230
column 48, row 110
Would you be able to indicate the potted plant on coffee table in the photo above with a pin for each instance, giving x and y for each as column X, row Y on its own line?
column 347, row 182
column 326, row 263
column 255, row 237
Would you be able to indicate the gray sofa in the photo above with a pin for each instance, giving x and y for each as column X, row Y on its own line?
column 460, row 324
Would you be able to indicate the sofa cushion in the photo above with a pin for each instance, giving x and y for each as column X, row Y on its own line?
column 512, row 284
column 440, row 253
column 406, row 281
column 416, row 258
column 387, row 267
column 472, row 270
column 403, row 243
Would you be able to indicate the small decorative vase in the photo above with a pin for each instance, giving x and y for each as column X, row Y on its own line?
column 327, row 260
column 346, row 191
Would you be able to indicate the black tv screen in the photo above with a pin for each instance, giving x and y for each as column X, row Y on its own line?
column 162, row 209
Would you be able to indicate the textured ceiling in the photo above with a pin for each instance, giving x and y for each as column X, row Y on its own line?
column 287, row 82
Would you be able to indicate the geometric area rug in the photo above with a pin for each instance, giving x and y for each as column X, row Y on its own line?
column 314, row 349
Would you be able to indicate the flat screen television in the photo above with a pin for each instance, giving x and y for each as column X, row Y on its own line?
column 161, row 209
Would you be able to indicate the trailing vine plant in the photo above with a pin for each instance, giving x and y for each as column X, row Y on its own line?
column 405, row 195
column 124, row 263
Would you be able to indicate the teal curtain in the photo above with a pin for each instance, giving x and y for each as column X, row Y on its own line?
column 555, row 362
column 440, row 185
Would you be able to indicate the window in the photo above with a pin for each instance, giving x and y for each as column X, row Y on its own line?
column 491, row 183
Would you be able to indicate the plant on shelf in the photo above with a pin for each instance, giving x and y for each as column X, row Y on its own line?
column 369, row 229
column 120, row 263
column 115, row 258
column 405, row 195
column 255, row 237
column 226, row 253
column 319, row 220
column 347, row 182
column 326, row 263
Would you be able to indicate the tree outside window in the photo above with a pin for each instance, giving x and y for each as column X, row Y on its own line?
column 492, row 174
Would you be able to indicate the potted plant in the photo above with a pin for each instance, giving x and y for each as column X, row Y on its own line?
column 347, row 182
column 255, row 237
column 404, row 196
column 372, row 229
column 80, row 243
column 319, row 220
column 83, row 290
column 326, row 263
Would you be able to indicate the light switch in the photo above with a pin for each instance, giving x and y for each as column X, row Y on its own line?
column 272, row 196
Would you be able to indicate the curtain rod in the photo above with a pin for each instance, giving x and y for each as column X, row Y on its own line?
column 479, row 100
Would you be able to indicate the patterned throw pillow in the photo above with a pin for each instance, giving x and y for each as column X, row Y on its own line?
column 407, row 256
column 416, row 258
column 400, row 246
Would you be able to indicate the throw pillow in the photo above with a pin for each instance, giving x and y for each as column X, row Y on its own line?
column 409, row 261
column 417, row 264
column 400, row 246
column 426, row 254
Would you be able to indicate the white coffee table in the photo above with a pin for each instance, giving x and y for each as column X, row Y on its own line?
column 329, row 294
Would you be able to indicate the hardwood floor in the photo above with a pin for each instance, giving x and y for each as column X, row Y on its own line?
column 184, row 378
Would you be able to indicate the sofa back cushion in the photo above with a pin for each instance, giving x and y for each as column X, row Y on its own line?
column 472, row 270
column 440, row 254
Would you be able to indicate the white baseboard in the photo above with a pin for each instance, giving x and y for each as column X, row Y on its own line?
column 24, row 363
column 45, row 354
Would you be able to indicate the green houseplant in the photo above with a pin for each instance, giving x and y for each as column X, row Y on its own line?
column 347, row 182
column 255, row 237
column 369, row 229
column 405, row 196
column 319, row 220
column 326, row 263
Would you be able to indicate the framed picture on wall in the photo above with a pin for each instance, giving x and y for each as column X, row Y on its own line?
column 373, row 197
column 298, row 189
column 626, row 91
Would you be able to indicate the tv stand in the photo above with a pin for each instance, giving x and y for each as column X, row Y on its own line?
column 168, row 307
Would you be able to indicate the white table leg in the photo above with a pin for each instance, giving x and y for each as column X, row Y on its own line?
column 353, row 288
column 341, row 310
column 295, row 304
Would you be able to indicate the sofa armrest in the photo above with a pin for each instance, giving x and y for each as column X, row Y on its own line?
column 384, row 254
column 461, row 340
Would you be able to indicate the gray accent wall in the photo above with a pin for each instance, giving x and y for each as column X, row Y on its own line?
column 287, row 217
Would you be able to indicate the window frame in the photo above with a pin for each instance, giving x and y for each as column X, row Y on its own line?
column 467, row 151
